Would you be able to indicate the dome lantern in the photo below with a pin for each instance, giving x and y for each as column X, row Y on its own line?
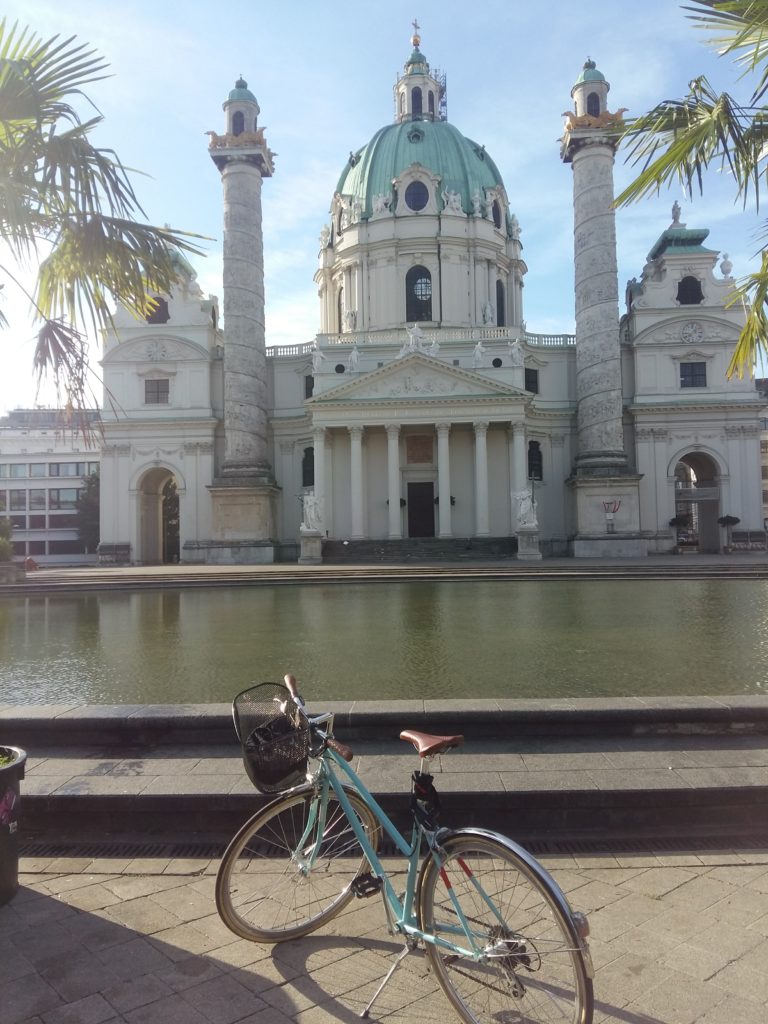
column 419, row 94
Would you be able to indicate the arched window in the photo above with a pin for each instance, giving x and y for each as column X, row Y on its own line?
column 593, row 105
column 308, row 468
column 340, row 311
column 402, row 102
column 159, row 313
column 535, row 461
column 418, row 295
column 496, row 213
column 238, row 122
column 416, row 102
column 689, row 292
column 431, row 103
column 501, row 319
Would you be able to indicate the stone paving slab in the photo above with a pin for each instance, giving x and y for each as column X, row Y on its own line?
column 676, row 939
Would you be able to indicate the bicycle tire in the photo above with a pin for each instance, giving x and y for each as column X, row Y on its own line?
column 532, row 969
column 265, row 895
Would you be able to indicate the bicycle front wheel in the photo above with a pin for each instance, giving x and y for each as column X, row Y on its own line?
column 520, row 961
column 271, row 886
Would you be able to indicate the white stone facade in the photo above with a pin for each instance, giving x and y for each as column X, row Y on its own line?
column 392, row 426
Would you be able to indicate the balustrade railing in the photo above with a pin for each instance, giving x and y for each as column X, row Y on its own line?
column 443, row 335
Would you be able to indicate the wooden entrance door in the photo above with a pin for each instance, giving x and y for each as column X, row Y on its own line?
column 421, row 509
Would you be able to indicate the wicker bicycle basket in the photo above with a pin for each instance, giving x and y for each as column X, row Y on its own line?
column 273, row 736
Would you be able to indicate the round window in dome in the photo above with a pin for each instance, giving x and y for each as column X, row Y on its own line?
column 416, row 196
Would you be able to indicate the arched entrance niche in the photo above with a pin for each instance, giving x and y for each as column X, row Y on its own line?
column 697, row 502
column 158, row 508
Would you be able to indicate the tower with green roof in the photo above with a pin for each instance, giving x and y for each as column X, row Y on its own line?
column 243, row 493
column 601, row 475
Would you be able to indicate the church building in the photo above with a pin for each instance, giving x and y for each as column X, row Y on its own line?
column 426, row 418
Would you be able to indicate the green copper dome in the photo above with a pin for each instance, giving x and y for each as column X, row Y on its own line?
column 462, row 165
column 241, row 92
column 589, row 73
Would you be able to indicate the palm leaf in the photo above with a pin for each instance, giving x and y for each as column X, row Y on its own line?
column 60, row 192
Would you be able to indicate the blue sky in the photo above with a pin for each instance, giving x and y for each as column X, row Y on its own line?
column 323, row 75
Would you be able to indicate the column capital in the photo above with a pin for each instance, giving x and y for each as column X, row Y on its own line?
column 481, row 426
column 516, row 428
column 356, row 431
column 318, row 433
column 443, row 429
column 393, row 430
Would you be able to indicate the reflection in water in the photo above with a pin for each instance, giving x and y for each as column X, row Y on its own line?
column 396, row 640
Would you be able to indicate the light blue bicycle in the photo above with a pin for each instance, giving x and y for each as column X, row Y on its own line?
column 498, row 932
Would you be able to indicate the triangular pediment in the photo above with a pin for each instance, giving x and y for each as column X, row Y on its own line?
column 417, row 377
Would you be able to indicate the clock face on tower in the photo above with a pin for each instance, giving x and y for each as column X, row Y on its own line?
column 691, row 332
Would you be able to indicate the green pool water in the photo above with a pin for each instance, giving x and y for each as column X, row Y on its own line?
column 389, row 640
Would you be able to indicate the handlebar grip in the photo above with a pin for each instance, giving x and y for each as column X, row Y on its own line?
column 290, row 681
column 341, row 749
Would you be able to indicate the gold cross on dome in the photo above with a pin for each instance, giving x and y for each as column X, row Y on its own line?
column 416, row 26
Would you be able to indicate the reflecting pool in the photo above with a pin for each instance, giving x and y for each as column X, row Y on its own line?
column 389, row 640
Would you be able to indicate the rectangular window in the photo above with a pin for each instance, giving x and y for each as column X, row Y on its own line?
column 532, row 381
column 3, row 470
column 3, row 500
column 37, row 547
column 37, row 523
column 764, row 472
column 693, row 375
column 38, row 469
column 37, row 498
column 63, row 497
column 309, row 385
column 157, row 392
column 66, row 547
column 764, row 447
column 93, row 467
column 18, row 522
column 19, row 548
column 19, row 471
column 62, row 521
column 18, row 501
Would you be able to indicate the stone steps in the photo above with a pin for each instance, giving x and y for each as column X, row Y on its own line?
column 572, row 767
column 418, row 550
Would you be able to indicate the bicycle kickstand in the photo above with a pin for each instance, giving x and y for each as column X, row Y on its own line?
column 408, row 948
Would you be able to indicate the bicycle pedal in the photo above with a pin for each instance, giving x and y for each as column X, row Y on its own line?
column 366, row 885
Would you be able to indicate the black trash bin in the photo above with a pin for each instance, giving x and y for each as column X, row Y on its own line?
column 12, row 761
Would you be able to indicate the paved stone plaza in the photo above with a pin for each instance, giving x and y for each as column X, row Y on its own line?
column 676, row 939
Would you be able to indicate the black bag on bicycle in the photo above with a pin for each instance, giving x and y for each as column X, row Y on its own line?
column 273, row 736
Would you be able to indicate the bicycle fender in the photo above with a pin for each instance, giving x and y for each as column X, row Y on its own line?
column 539, row 872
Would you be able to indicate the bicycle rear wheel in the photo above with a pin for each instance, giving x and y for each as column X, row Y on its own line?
column 530, row 967
column 268, row 891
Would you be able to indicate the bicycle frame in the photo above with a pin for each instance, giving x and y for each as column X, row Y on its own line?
column 404, row 917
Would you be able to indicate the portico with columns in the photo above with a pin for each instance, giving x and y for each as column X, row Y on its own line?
column 419, row 448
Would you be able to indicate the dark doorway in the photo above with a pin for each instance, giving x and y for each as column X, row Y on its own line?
column 170, row 522
column 421, row 510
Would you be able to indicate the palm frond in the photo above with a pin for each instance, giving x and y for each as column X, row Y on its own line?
column 738, row 28
column 679, row 140
column 58, row 189
column 752, row 293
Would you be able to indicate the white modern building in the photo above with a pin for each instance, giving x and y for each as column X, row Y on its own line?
column 427, row 412
column 44, row 460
